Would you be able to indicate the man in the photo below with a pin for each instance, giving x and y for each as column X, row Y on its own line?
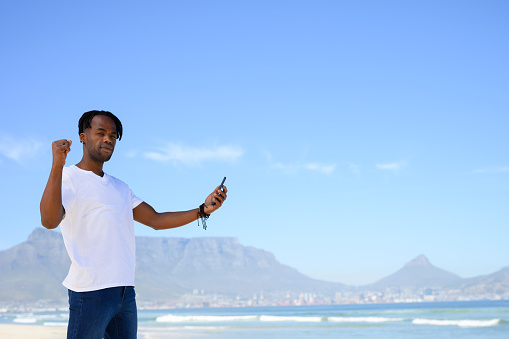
column 96, row 212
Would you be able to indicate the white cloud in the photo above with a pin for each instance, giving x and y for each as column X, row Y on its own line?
column 393, row 166
column 21, row 150
column 492, row 170
column 321, row 168
column 193, row 156
column 286, row 168
column 131, row 154
column 293, row 168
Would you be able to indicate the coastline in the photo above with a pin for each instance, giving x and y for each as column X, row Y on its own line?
column 468, row 320
column 14, row 331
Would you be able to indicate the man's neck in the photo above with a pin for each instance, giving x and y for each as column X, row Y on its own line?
column 90, row 165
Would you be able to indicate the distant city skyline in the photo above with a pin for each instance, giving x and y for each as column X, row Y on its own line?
column 354, row 136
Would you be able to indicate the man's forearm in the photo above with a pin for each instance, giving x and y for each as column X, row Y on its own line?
column 145, row 214
column 168, row 220
column 51, row 202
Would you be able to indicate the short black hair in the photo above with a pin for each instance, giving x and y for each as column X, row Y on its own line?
column 87, row 117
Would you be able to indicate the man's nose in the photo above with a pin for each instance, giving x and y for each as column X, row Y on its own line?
column 109, row 139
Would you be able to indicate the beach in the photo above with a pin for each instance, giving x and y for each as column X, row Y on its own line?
column 8, row 331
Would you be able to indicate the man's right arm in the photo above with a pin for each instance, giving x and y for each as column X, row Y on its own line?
column 52, row 210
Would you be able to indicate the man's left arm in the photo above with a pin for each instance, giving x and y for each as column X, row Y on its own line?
column 147, row 215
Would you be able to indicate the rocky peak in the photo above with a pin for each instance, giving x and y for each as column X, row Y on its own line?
column 421, row 260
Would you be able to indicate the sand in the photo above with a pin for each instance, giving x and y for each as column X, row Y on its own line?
column 33, row 332
column 8, row 331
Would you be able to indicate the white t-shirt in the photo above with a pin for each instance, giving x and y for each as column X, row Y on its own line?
column 98, row 230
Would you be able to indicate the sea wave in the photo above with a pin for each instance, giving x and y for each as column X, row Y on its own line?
column 370, row 319
column 363, row 319
column 25, row 320
column 54, row 324
column 178, row 328
column 460, row 323
column 289, row 318
column 171, row 318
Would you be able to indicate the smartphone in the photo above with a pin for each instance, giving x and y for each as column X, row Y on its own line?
column 220, row 187
column 222, row 183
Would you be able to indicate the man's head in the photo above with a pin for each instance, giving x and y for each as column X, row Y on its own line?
column 86, row 120
column 99, row 131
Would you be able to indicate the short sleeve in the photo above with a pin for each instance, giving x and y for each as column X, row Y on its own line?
column 68, row 194
column 135, row 200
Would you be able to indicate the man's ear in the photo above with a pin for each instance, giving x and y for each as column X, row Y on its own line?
column 82, row 138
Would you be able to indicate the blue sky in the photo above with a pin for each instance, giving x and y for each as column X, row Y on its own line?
column 354, row 136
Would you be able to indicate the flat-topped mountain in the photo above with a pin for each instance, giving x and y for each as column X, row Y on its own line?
column 219, row 265
column 165, row 269
column 34, row 269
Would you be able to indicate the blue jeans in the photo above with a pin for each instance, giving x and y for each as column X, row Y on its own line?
column 107, row 313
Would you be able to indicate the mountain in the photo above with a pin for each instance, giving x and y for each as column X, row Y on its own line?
column 219, row 265
column 497, row 283
column 35, row 268
column 169, row 269
column 418, row 273
column 165, row 269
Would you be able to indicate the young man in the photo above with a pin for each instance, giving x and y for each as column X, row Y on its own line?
column 96, row 212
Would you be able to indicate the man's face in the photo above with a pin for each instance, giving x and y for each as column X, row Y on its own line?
column 100, row 138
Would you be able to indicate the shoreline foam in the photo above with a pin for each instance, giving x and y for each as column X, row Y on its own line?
column 12, row 331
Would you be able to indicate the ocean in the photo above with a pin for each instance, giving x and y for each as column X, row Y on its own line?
column 468, row 319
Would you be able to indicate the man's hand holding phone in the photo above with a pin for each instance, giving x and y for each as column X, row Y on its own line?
column 216, row 198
